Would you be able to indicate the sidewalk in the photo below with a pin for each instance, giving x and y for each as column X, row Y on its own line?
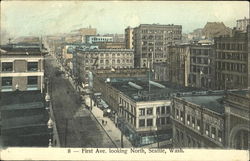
column 110, row 128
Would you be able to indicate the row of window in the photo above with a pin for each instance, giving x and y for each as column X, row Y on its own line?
column 233, row 46
column 231, row 67
column 231, row 56
column 201, row 51
column 195, row 124
column 31, row 80
column 113, row 61
column 199, row 60
column 8, row 66
column 90, row 55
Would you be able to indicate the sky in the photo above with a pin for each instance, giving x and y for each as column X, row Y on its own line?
column 35, row 18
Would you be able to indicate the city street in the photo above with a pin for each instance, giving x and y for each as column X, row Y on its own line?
column 75, row 124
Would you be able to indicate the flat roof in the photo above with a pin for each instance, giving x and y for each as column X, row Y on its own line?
column 17, row 100
column 139, row 89
column 211, row 102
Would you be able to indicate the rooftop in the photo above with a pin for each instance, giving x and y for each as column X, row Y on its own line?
column 17, row 100
column 22, row 49
column 140, row 89
column 211, row 102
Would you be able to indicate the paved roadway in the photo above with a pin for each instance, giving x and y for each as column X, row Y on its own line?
column 76, row 126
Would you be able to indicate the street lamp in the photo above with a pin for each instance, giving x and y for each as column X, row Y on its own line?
column 157, row 124
column 50, row 124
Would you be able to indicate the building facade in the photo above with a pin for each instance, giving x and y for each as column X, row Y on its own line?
column 178, row 64
column 195, row 125
column 22, row 68
column 95, row 39
column 150, row 42
column 129, row 38
column 242, row 24
column 232, row 61
column 92, row 59
column 202, row 66
column 237, row 130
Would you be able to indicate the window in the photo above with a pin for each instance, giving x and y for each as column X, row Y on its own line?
column 188, row 119
column 167, row 120
column 149, row 122
column 207, row 129
column 213, row 132
column 142, row 123
column 32, row 80
column 7, row 66
column 158, row 110
column 142, row 112
column 182, row 115
column 7, row 81
column 168, row 109
column 193, row 121
column 32, row 66
column 149, row 111
column 163, row 110
column 163, row 121
column 177, row 113
column 198, row 124
column 220, row 135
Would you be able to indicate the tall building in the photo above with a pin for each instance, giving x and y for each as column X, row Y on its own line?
column 232, row 61
column 178, row 64
column 202, row 66
column 24, row 118
column 242, row 24
column 22, row 68
column 150, row 42
column 129, row 38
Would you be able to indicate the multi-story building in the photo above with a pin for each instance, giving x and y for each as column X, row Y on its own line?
column 242, row 24
column 198, row 121
column 150, row 42
column 23, row 111
column 91, row 59
column 178, row 64
column 142, row 106
column 232, row 61
column 211, row 120
column 202, row 66
column 95, row 39
column 22, row 68
column 80, row 34
column 129, row 38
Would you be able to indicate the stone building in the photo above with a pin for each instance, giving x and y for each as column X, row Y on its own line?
column 110, row 45
column 150, row 42
column 92, row 59
column 198, row 121
column 202, row 66
column 129, row 38
column 22, row 68
column 178, row 64
column 212, row 120
column 232, row 61
column 237, row 130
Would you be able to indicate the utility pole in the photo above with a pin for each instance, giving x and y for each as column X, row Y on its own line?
column 122, row 129
column 66, row 132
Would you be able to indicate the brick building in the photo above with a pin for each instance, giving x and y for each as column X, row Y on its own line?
column 232, row 61
column 150, row 42
column 202, row 66
column 178, row 64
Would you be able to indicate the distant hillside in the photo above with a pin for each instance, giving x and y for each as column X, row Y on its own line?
column 215, row 29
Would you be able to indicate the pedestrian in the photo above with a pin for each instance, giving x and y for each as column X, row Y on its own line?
column 102, row 122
